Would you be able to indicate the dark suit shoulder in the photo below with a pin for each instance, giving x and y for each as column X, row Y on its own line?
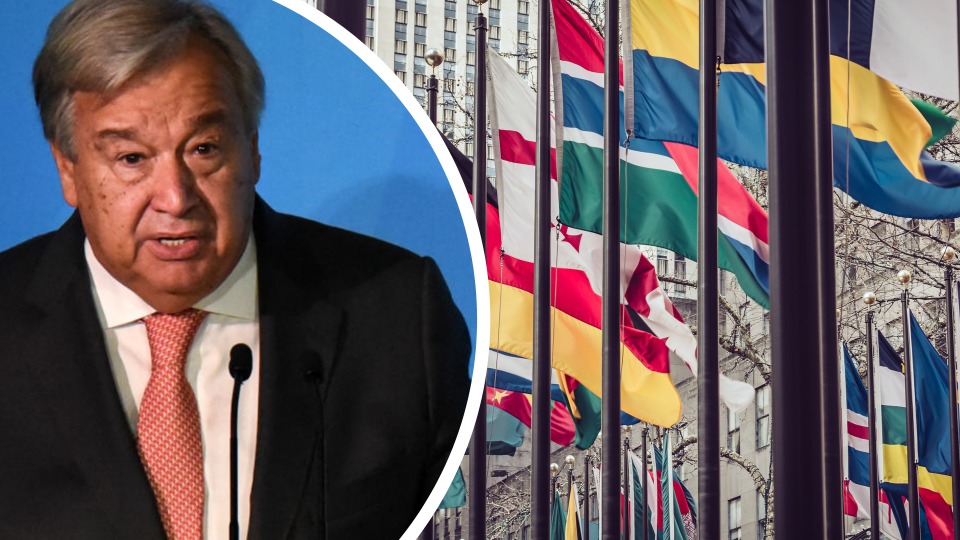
column 19, row 263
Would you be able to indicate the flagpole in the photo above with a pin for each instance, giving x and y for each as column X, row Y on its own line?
column 708, row 303
column 643, row 488
column 868, row 299
column 626, row 481
column 610, row 323
column 801, row 272
column 433, row 57
column 586, row 496
column 948, row 254
column 913, row 495
column 477, row 515
column 541, row 406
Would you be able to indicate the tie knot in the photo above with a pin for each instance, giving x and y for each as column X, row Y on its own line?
column 170, row 335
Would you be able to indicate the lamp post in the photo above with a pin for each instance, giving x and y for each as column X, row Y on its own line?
column 433, row 57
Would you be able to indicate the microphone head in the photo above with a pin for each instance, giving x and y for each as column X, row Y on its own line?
column 241, row 362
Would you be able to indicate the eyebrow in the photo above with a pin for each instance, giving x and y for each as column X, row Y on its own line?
column 201, row 122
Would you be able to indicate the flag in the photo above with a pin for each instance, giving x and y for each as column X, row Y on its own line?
column 662, row 59
column 558, row 519
column 505, row 432
column 935, row 489
column 509, row 372
column 572, row 527
column 888, row 168
column 857, row 462
column 577, row 278
column 647, row 390
column 562, row 429
column 902, row 42
column 670, row 509
column 659, row 181
column 640, row 502
column 456, row 494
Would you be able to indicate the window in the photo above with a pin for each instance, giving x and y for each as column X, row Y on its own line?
column 448, row 85
column 419, row 65
column 523, row 37
column 369, row 41
column 495, row 17
column 525, row 533
column 472, row 10
column 470, row 93
column 401, row 16
column 761, row 507
column 419, row 49
column 471, row 72
column 471, row 43
column 419, row 34
column 494, row 33
column 733, row 430
column 450, row 25
column 523, row 66
column 449, row 40
column 448, row 99
column 523, row 7
column 450, row 53
column 523, row 22
column 494, row 4
column 369, row 28
column 399, row 62
column 763, row 416
column 400, row 47
column 722, row 283
column 450, row 9
column 766, row 323
column 471, row 58
column 400, row 31
column 421, row 6
column 401, row 4
column 421, row 19
column 662, row 261
column 449, row 115
column 680, row 272
column 947, row 226
column 370, row 11
column 522, row 50
column 468, row 150
column 733, row 518
column 402, row 75
column 495, row 43
column 419, row 93
column 722, row 322
column 419, row 81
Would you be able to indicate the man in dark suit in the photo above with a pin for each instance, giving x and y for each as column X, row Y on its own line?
column 115, row 329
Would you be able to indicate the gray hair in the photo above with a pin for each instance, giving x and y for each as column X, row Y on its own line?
column 100, row 45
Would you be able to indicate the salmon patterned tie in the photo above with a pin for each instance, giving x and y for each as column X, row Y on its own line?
column 168, row 429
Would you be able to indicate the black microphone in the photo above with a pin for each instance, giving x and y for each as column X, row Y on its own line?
column 241, row 364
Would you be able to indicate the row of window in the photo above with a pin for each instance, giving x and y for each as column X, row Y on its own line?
column 734, row 522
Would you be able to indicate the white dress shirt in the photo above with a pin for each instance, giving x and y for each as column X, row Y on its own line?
column 233, row 318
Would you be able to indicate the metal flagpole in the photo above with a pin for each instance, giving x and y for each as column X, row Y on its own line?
column 913, row 495
column 540, row 423
column 868, row 299
column 477, row 516
column 708, row 308
column 434, row 58
column 643, row 488
column 586, row 496
column 610, row 323
column 948, row 255
column 802, row 275
column 625, row 514
column 668, row 458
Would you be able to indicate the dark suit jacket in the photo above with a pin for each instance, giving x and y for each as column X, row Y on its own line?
column 363, row 385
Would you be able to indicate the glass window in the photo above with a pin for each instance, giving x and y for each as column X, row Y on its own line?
column 401, row 4
column 419, row 34
column 370, row 12
column 421, row 19
column 472, row 43
column 523, row 7
column 495, row 43
column 733, row 518
column 421, row 6
column 762, row 401
column 400, row 47
column 449, row 40
column 471, row 72
column 369, row 27
column 399, row 62
column 680, row 272
column 523, row 21
column 450, row 9
column 420, row 94
column 733, row 430
column 495, row 17
column 369, row 42
column 401, row 16
column 419, row 65
column 472, row 10
column 401, row 31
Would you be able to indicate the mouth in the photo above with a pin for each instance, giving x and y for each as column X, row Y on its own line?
column 173, row 242
column 175, row 248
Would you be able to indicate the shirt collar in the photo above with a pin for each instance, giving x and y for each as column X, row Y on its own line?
column 235, row 297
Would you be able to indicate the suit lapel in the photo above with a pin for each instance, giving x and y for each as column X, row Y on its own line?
column 299, row 335
column 76, row 377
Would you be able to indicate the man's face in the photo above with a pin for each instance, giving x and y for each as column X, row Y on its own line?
column 164, row 178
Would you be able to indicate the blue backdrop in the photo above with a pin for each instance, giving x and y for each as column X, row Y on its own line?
column 338, row 145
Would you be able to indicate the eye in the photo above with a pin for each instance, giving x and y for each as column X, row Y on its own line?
column 131, row 159
column 205, row 149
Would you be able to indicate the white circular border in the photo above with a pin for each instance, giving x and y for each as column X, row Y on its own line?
column 473, row 238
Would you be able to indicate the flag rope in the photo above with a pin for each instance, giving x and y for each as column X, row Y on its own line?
column 623, row 256
column 496, row 360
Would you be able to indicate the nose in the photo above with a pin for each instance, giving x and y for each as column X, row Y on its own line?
column 174, row 187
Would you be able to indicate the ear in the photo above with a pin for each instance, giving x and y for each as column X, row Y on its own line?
column 255, row 155
column 67, row 169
